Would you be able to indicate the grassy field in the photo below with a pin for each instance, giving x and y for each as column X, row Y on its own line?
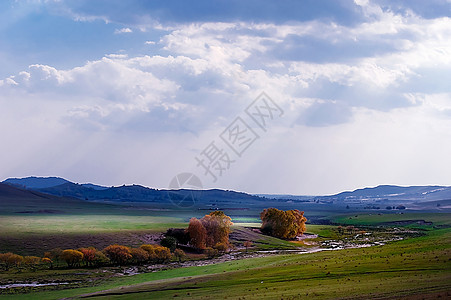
column 418, row 266
column 406, row 219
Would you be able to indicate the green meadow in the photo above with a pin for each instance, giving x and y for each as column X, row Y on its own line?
column 414, row 267
column 418, row 266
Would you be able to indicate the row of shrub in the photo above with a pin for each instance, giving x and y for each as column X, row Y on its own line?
column 91, row 257
column 9, row 260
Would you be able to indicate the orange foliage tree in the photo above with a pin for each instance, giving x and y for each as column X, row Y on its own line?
column 283, row 224
column 213, row 229
column 118, row 254
column 89, row 255
column 197, row 233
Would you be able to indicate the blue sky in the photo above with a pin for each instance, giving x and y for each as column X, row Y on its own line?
column 116, row 92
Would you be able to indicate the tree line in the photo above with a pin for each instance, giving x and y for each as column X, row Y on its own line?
column 91, row 257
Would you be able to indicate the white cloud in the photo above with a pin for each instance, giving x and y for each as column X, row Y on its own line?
column 123, row 30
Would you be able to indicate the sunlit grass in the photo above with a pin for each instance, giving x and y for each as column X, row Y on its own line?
column 68, row 224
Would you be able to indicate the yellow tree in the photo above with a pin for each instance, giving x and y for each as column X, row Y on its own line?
column 72, row 257
column 217, row 224
column 10, row 259
column 283, row 224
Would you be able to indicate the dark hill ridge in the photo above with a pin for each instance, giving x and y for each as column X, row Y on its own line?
column 216, row 197
column 36, row 182
column 138, row 193
column 17, row 200
column 45, row 182
column 393, row 192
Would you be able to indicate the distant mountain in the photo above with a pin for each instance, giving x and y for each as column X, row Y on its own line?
column 138, row 193
column 135, row 193
column 94, row 186
column 286, row 197
column 393, row 192
column 18, row 200
column 45, row 182
column 36, row 182
column 221, row 198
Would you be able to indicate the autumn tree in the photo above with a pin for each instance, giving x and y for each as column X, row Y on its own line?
column 139, row 255
column 197, row 233
column 100, row 259
column 163, row 254
column 9, row 260
column 213, row 229
column 157, row 253
column 89, row 255
column 283, row 224
column 54, row 254
column 150, row 249
column 31, row 261
column 217, row 224
column 118, row 254
column 71, row 257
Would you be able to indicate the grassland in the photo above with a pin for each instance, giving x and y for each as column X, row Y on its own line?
column 393, row 218
column 410, row 268
column 405, row 268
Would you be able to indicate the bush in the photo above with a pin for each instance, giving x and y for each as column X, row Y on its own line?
column 72, row 257
column 47, row 261
column 210, row 252
column 181, row 235
column 139, row 255
column 101, row 259
column 54, row 254
column 157, row 253
column 89, row 255
column 169, row 242
column 149, row 249
column 221, row 247
column 9, row 260
column 31, row 261
column 179, row 254
column 118, row 254
column 163, row 254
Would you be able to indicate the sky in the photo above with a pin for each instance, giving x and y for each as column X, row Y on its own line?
column 290, row 97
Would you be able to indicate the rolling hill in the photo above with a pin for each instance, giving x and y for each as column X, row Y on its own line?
column 393, row 192
column 215, row 198
column 17, row 200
